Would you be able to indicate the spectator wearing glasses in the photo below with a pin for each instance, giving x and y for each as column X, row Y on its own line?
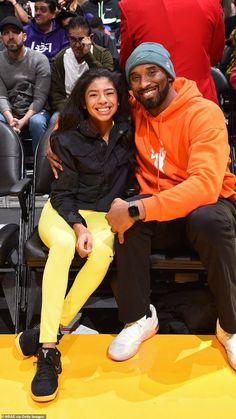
column 44, row 34
column 72, row 62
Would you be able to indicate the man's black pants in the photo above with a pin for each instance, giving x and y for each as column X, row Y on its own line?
column 210, row 230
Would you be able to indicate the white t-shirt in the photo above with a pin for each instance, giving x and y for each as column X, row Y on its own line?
column 73, row 70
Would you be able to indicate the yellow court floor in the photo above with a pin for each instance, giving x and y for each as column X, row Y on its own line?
column 172, row 376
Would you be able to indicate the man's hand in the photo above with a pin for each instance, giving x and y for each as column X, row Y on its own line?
column 61, row 4
column 54, row 160
column 18, row 124
column 10, row 119
column 84, row 243
column 13, row 126
column 87, row 42
column 119, row 219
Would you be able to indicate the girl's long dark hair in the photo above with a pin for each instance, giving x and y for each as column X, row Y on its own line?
column 74, row 109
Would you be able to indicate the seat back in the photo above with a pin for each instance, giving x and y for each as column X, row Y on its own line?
column 225, row 60
column 43, row 175
column 12, row 236
column 11, row 158
column 222, row 86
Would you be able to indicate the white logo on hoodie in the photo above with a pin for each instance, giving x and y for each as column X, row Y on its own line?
column 159, row 158
column 41, row 47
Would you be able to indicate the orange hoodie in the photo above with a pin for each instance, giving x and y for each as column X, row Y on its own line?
column 182, row 155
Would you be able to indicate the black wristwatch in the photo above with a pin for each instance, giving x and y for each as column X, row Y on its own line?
column 134, row 212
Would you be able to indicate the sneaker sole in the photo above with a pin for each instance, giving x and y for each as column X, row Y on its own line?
column 44, row 398
column 133, row 354
column 18, row 347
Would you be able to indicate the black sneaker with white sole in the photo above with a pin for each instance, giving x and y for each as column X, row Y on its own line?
column 27, row 342
column 44, row 386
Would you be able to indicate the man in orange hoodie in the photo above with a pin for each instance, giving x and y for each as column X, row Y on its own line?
column 187, row 197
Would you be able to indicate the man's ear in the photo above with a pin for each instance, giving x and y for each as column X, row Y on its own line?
column 91, row 36
column 25, row 36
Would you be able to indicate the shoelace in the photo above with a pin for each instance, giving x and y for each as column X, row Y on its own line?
column 139, row 322
column 45, row 368
column 134, row 331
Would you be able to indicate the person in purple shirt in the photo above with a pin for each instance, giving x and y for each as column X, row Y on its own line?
column 44, row 34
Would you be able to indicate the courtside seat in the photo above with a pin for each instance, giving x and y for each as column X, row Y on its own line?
column 8, row 241
column 36, row 252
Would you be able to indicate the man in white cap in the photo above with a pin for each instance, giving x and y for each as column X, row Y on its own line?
column 187, row 198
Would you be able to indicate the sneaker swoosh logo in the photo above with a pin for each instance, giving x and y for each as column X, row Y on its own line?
column 57, row 368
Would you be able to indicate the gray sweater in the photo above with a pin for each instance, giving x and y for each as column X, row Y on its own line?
column 33, row 70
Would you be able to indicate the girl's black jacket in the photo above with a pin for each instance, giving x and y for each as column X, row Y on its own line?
column 94, row 172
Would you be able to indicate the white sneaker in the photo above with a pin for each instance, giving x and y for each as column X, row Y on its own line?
column 229, row 342
column 127, row 343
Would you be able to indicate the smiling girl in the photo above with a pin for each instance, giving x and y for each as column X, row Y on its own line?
column 94, row 140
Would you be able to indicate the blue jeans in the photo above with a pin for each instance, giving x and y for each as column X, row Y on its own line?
column 37, row 125
column 54, row 119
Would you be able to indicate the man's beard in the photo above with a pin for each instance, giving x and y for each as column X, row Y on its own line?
column 14, row 47
column 156, row 101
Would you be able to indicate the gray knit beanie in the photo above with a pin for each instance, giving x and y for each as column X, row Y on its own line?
column 150, row 53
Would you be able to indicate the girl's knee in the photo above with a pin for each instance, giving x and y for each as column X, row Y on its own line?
column 101, row 254
column 65, row 243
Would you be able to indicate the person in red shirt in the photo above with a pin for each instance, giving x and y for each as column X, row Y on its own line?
column 191, row 30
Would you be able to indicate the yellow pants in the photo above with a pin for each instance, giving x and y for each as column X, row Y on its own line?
column 60, row 238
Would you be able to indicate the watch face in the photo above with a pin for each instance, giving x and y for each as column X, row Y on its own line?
column 133, row 211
